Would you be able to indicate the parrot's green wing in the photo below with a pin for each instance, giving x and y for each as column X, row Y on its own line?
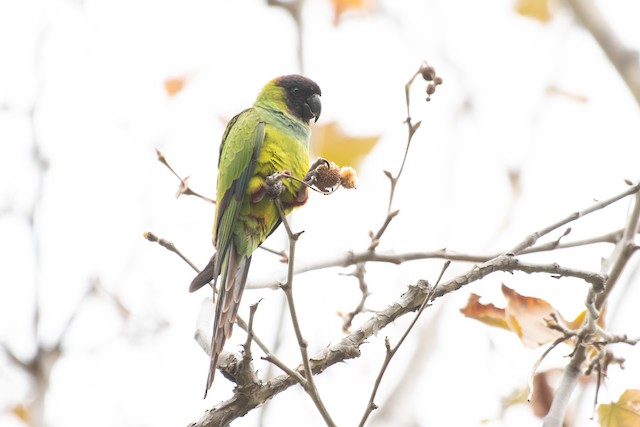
column 239, row 150
column 238, row 155
column 241, row 145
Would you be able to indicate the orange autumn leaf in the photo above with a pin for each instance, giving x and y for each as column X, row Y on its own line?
column 575, row 324
column 579, row 320
column 330, row 141
column 174, row 85
column 540, row 10
column 623, row 413
column 527, row 317
column 21, row 412
column 486, row 313
column 341, row 6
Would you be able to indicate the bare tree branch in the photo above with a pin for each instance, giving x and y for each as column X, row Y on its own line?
column 309, row 384
column 371, row 406
column 348, row 347
column 533, row 238
column 524, row 247
column 596, row 298
column 245, row 400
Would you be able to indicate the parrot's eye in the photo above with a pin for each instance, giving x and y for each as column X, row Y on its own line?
column 295, row 91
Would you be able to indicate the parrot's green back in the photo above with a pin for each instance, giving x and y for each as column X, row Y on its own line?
column 272, row 136
column 284, row 147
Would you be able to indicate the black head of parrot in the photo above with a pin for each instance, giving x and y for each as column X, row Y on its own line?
column 302, row 96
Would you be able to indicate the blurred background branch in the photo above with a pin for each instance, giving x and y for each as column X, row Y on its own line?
column 625, row 60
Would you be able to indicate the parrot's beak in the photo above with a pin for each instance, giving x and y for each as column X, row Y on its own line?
column 315, row 106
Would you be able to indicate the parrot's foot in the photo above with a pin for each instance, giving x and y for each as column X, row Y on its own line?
column 312, row 176
column 273, row 186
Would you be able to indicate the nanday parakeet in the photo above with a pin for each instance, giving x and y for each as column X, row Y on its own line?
column 271, row 136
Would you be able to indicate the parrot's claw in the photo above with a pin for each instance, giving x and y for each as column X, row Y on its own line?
column 273, row 186
column 319, row 161
column 312, row 176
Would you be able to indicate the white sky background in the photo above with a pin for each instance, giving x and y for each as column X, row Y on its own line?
column 102, row 109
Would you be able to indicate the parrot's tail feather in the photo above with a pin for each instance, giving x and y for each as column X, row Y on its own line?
column 241, row 281
column 205, row 276
column 233, row 279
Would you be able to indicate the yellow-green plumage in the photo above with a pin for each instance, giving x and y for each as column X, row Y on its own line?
column 282, row 149
column 272, row 136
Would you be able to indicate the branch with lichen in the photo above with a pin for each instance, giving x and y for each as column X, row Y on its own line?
column 414, row 298
column 390, row 352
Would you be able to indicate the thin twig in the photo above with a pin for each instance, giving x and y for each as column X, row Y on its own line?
column 282, row 254
column 611, row 237
column 271, row 358
column 624, row 250
column 246, row 355
column 269, row 355
column 243, row 325
column 411, row 128
column 556, row 343
column 309, row 386
column 184, row 182
column 169, row 246
column 371, row 406
column 531, row 240
column 358, row 273
column 393, row 180
column 594, row 303
column 277, row 342
column 375, row 238
column 595, row 395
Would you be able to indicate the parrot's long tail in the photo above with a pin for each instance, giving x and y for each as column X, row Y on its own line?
column 233, row 278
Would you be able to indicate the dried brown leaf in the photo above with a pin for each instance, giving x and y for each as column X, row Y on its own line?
column 485, row 313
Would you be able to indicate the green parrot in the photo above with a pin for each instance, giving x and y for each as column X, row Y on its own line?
column 270, row 137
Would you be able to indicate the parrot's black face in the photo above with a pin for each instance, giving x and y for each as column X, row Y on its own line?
column 302, row 95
